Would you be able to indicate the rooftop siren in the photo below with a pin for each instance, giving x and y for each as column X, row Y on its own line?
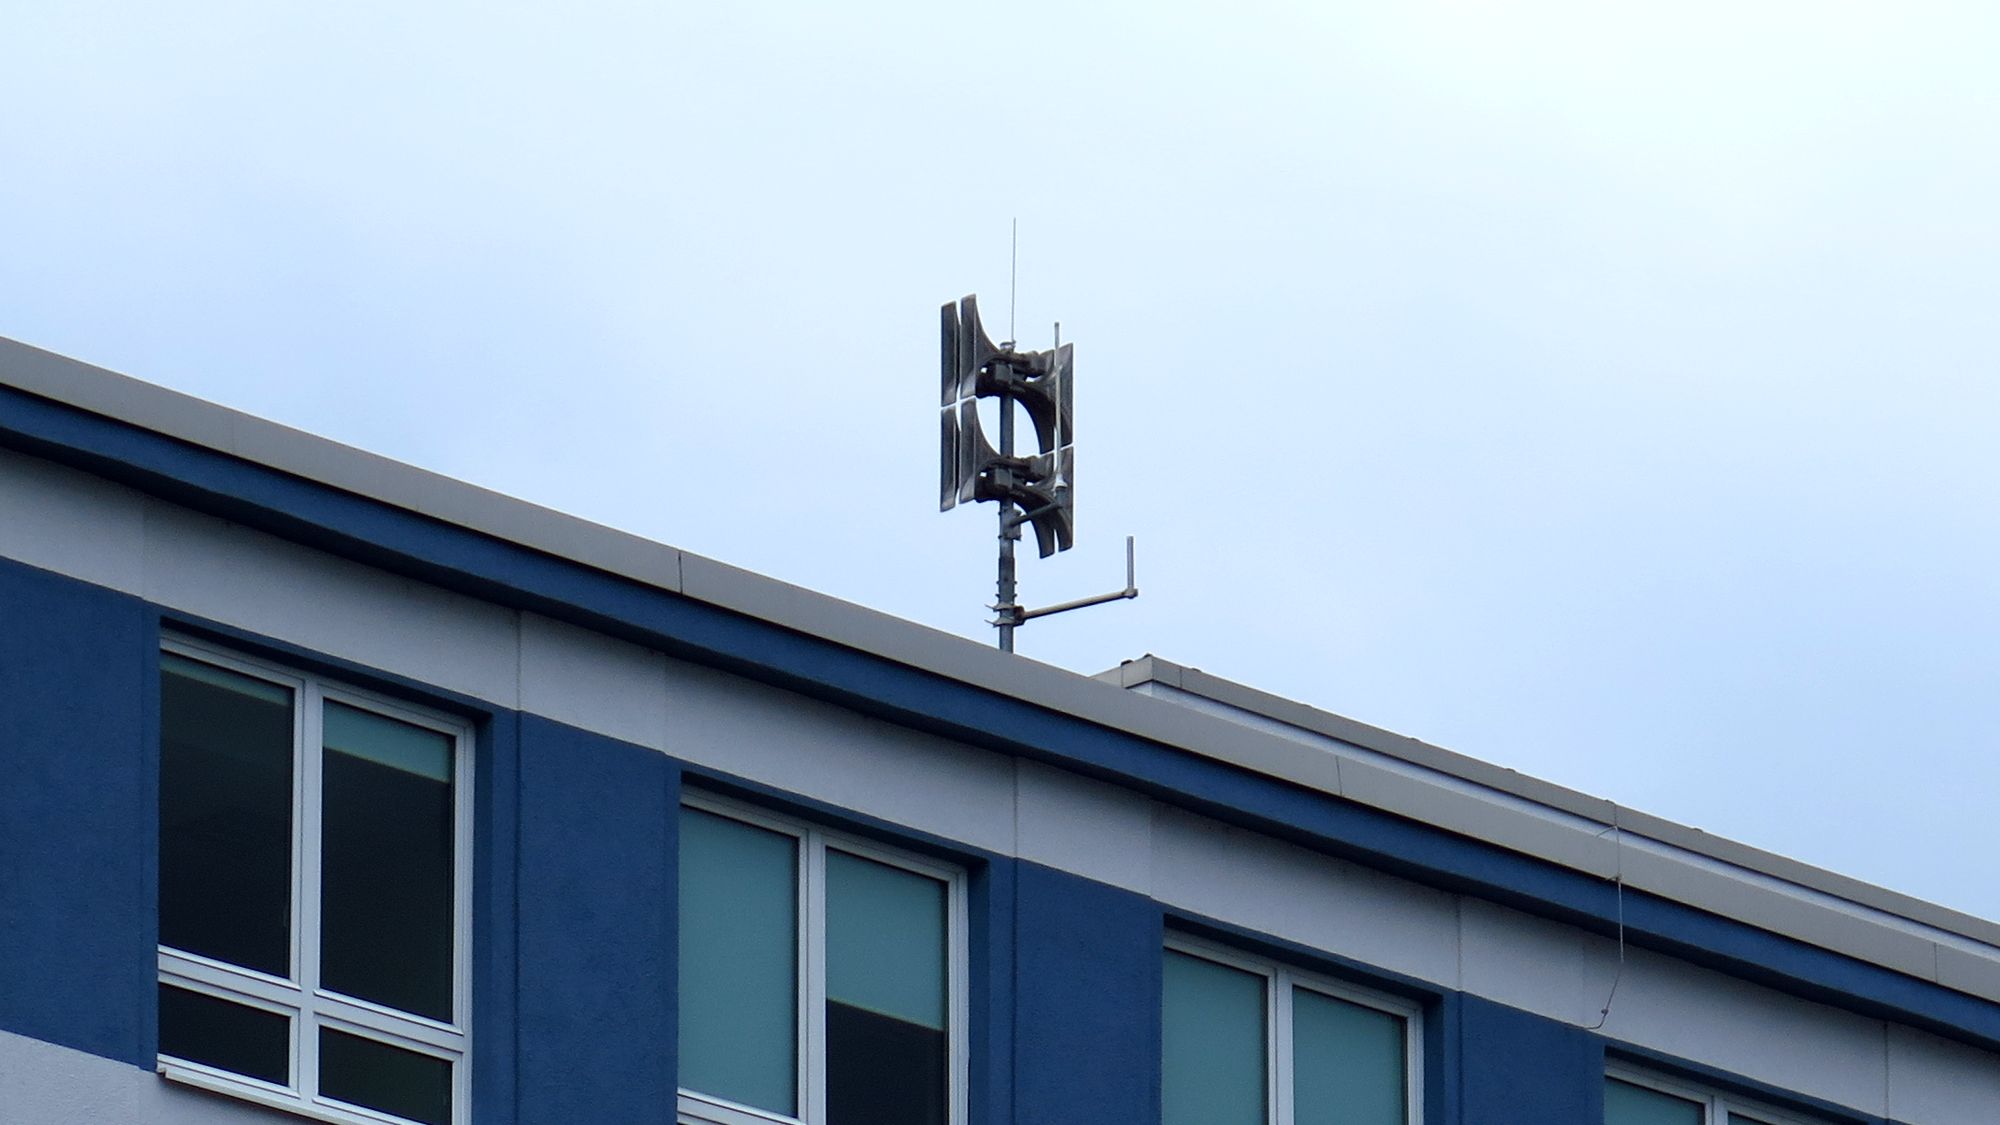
column 1037, row 489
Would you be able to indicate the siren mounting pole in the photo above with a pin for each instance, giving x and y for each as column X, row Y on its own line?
column 1006, row 612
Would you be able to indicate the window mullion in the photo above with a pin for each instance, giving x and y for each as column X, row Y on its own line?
column 311, row 806
column 1278, row 1046
column 812, row 977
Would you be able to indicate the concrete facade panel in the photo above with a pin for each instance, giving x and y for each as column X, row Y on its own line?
column 830, row 754
column 1086, row 827
column 1248, row 880
column 212, row 568
column 1534, row 964
column 71, row 522
column 1705, row 1017
column 1934, row 1081
column 43, row 1084
column 592, row 681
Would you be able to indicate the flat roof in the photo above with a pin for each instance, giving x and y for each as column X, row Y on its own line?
column 1150, row 698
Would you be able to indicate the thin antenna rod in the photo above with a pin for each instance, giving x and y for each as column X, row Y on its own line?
column 1013, row 276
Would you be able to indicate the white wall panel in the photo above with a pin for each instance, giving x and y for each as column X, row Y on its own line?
column 592, row 681
column 1210, row 868
column 833, row 754
column 1934, row 1081
column 1533, row 964
column 1706, row 1017
column 258, row 582
column 1103, row 832
column 43, row 1084
column 70, row 522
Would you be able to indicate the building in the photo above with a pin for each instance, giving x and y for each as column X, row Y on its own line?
column 332, row 784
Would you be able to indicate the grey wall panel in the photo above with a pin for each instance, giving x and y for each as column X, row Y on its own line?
column 43, row 1084
column 1253, row 881
column 1706, row 1017
column 1540, row 966
column 845, row 759
column 216, row 569
column 72, row 523
column 1084, row 827
column 1934, row 1081
column 592, row 681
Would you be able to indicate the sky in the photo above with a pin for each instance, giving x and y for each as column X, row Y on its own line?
column 1604, row 391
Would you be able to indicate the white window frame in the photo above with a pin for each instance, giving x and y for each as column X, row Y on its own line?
column 696, row 1108
column 299, row 995
column 1716, row 1106
column 1279, row 982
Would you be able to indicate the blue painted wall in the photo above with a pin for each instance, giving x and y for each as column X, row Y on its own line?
column 596, row 928
column 1086, row 1001
column 990, row 950
column 78, row 808
column 1517, row 1068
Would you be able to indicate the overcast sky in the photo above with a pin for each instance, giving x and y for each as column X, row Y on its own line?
column 1606, row 391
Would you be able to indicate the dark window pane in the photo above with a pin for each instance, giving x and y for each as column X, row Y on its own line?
column 386, row 875
column 739, row 940
column 225, row 815
column 881, row 1070
column 367, row 1073
column 232, row 1037
column 885, row 994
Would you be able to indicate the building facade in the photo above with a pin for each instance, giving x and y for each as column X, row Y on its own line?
column 337, row 790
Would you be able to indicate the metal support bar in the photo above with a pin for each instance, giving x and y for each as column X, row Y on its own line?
column 1131, row 590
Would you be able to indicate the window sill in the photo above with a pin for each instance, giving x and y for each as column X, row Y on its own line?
column 184, row 1075
column 698, row 1109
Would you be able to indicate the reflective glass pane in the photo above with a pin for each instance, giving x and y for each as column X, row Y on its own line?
column 364, row 1072
column 1746, row 1119
column 739, row 962
column 885, row 994
column 1627, row 1104
column 1212, row 1068
column 1347, row 1063
column 386, row 871
column 228, row 1036
column 225, row 815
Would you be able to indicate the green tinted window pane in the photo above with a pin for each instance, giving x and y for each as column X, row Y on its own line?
column 387, row 742
column 225, row 815
column 1347, row 1063
column 367, row 1073
column 1626, row 1104
column 1212, row 1069
column 1746, row 1119
column 885, row 995
column 386, row 869
column 232, row 1037
column 885, row 940
column 739, row 962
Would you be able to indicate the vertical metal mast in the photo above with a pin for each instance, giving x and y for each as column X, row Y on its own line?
column 1005, row 610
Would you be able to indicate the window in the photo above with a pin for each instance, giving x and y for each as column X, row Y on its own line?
column 1249, row 1043
column 822, row 978
column 1634, row 1097
column 314, row 893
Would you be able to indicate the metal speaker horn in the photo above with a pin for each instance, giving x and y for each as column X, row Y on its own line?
column 964, row 348
column 1050, row 502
